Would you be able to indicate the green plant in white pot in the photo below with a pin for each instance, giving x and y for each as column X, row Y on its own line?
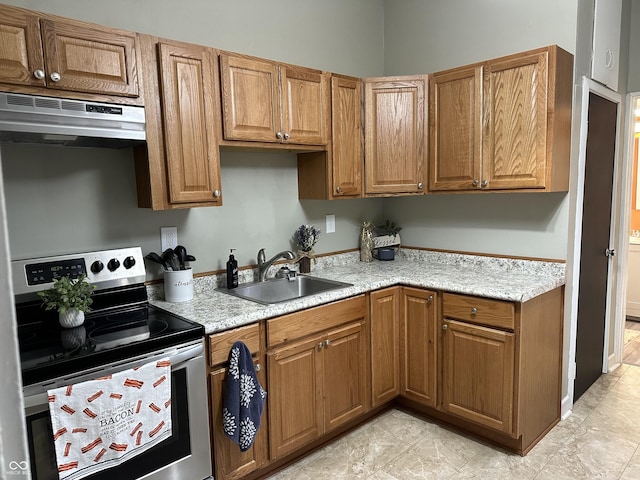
column 71, row 298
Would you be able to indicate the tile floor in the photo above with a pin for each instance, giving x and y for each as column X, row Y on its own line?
column 601, row 439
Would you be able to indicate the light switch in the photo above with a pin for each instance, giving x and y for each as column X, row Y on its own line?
column 331, row 224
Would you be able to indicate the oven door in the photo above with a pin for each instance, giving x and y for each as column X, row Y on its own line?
column 185, row 454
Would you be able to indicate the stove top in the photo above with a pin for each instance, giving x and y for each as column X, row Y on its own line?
column 122, row 324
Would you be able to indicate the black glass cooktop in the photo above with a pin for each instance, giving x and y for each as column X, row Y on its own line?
column 49, row 351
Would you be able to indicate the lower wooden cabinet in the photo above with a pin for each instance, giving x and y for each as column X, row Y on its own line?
column 317, row 378
column 385, row 345
column 418, row 345
column 228, row 461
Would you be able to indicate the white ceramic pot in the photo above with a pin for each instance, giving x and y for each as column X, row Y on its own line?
column 71, row 318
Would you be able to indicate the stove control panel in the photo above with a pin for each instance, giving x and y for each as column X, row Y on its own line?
column 105, row 269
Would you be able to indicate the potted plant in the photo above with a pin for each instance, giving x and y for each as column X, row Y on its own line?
column 306, row 236
column 387, row 235
column 71, row 298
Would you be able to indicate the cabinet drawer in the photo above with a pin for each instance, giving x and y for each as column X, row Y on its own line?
column 493, row 313
column 314, row 320
column 221, row 343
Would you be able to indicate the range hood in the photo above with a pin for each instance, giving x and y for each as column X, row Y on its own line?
column 34, row 119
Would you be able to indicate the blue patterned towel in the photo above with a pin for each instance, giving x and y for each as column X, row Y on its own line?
column 243, row 399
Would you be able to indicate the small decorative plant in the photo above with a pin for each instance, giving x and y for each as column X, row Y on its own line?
column 66, row 294
column 306, row 237
column 388, row 228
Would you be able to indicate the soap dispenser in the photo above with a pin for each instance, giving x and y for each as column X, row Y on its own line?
column 232, row 271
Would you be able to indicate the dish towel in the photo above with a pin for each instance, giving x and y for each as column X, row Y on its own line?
column 104, row 422
column 243, row 398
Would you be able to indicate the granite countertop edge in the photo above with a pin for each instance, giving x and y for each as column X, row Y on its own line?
column 510, row 281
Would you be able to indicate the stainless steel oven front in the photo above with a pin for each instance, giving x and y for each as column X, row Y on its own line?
column 183, row 456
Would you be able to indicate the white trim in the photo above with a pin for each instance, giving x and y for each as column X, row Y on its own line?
column 566, row 405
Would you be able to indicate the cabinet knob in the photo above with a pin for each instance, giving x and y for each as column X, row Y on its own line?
column 474, row 310
column 258, row 367
column 286, row 136
column 216, row 193
column 445, row 326
column 484, row 183
column 610, row 59
column 55, row 76
column 430, row 299
column 279, row 135
column 339, row 189
column 475, row 183
column 320, row 345
column 39, row 74
column 419, row 185
column 327, row 342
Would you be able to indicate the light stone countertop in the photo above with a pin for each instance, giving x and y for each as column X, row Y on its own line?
column 498, row 278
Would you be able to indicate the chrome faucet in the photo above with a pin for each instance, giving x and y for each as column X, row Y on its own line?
column 263, row 265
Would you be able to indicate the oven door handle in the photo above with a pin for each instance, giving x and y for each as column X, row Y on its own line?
column 186, row 355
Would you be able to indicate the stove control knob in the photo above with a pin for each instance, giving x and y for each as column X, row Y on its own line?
column 129, row 262
column 113, row 264
column 97, row 266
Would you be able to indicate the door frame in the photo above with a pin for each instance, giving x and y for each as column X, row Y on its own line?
column 589, row 86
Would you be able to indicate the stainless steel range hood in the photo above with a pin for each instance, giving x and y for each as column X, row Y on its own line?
column 33, row 119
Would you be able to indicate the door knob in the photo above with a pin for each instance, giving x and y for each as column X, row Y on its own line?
column 609, row 252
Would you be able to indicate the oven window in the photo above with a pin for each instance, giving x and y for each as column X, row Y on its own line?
column 43, row 456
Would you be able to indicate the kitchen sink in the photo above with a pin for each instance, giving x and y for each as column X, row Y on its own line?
column 277, row 290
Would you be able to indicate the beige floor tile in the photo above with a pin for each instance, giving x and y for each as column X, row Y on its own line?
column 632, row 470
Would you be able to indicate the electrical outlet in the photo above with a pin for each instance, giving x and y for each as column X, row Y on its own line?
column 331, row 224
column 168, row 237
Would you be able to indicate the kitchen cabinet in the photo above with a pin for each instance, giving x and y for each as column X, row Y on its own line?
column 179, row 166
column 229, row 462
column 265, row 101
column 605, row 63
column 337, row 172
column 501, row 365
column 395, row 136
column 385, row 345
column 51, row 55
column 418, row 345
column 317, row 372
column 503, row 124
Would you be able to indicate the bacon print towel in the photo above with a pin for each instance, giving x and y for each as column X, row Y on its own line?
column 103, row 422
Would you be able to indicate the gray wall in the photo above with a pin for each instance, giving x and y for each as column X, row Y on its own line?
column 634, row 48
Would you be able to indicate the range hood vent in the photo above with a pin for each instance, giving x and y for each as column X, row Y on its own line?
column 33, row 119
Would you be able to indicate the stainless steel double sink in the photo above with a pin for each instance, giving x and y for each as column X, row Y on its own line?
column 277, row 290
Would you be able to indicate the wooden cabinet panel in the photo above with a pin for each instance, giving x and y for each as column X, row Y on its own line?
column 395, row 138
column 486, row 311
column 478, row 375
column 220, row 344
column 344, row 367
column 46, row 51
column 455, row 113
column 295, row 393
column 188, row 97
column 250, row 98
column 418, row 350
column 515, row 95
column 385, row 345
column 263, row 101
column 229, row 461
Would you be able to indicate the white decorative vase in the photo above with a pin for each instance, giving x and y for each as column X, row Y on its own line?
column 71, row 318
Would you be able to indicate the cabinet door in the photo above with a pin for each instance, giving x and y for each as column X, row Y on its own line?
column 95, row 60
column 21, row 52
column 344, row 362
column 250, row 98
column 478, row 374
column 295, row 395
column 515, row 133
column 346, row 124
column 418, row 351
column 395, row 145
column 385, row 345
column 605, row 63
column 230, row 462
column 187, row 78
column 455, row 119
column 305, row 101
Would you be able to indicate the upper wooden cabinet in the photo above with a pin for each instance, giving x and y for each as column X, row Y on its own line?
column 504, row 124
column 48, row 52
column 395, row 136
column 180, row 166
column 264, row 101
column 337, row 172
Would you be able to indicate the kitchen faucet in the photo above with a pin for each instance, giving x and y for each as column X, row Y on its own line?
column 263, row 265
